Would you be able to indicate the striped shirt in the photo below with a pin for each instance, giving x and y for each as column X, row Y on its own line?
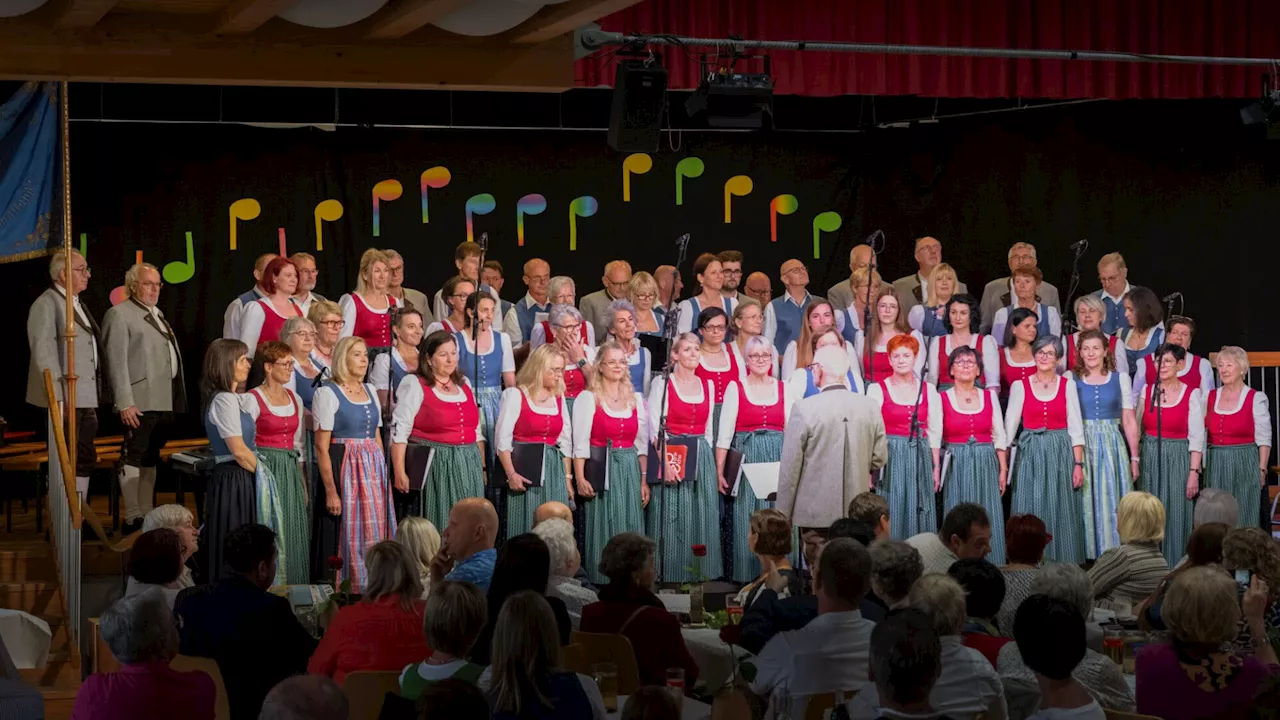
column 1129, row 572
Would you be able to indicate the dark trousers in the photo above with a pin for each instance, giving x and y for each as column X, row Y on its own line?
column 142, row 444
column 86, row 432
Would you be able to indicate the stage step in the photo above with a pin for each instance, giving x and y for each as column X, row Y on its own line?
column 26, row 564
column 38, row 598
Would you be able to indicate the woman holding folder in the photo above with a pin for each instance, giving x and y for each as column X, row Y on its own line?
column 533, row 439
column 609, row 455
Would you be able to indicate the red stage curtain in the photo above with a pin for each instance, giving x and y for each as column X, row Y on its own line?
column 1238, row 28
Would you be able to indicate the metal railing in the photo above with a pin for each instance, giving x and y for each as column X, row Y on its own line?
column 65, row 517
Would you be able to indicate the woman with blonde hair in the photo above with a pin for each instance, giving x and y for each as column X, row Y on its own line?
column 849, row 320
column 770, row 540
column 1238, row 424
column 610, row 434
column 748, row 322
column 422, row 540
column 180, row 520
column 1090, row 313
column 533, row 439
column 326, row 316
column 364, row 312
column 455, row 616
column 352, row 508
column 928, row 318
column 279, row 433
column 1125, row 575
column 643, row 294
column 887, row 322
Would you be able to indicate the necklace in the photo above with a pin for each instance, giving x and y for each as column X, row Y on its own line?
column 967, row 395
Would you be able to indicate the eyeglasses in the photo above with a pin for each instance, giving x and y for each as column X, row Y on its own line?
column 614, row 363
column 732, row 272
column 714, row 328
column 1046, row 353
column 619, row 285
column 965, row 362
column 460, row 296
column 157, row 285
column 646, row 296
column 570, row 328
column 398, row 270
column 306, row 335
column 285, row 363
column 766, row 357
column 538, row 278
column 335, row 324
column 795, row 270
column 81, row 270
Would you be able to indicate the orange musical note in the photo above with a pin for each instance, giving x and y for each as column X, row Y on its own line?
column 283, row 253
column 179, row 272
column 635, row 164
column 384, row 191
column 326, row 211
column 436, row 177
column 243, row 209
column 739, row 185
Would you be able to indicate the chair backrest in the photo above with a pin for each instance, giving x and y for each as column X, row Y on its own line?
column 1118, row 715
column 366, row 691
column 608, row 648
column 817, row 706
column 208, row 666
column 730, row 704
column 574, row 657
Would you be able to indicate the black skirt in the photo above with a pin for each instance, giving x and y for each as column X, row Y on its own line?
column 326, row 529
column 230, row 501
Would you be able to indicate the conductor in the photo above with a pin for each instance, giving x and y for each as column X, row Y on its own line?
column 832, row 442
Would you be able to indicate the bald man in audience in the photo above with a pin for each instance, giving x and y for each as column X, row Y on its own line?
column 669, row 285
column 758, row 286
column 306, row 697
column 520, row 319
column 466, row 548
column 231, row 317
column 840, row 295
column 553, row 510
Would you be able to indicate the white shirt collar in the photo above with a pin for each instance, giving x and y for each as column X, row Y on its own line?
column 1115, row 299
column 792, row 300
column 529, row 301
column 63, row 292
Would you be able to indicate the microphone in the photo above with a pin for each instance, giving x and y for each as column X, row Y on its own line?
column 484, row 242
column 871, row 241
column 1171, row 297
column 1080, row 245
column 319, row 377
column 683, row 239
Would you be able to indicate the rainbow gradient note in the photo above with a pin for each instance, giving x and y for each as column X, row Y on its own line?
column 481, row 204
column 780, row 205
column 384, row 191
column 584, row 206
column 531, row 204
column 432, row 178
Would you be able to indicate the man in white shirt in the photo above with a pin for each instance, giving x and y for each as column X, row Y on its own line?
column 999, row 292
column 831, row 653
column 913, row 289
column 307, row 276
column 965, row 533
column 231, row 317
column 519, row 321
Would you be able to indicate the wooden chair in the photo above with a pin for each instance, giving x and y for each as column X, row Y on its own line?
column 1118, row 715
column 366, row 691
column 208, row 666
column 574, row 658
column 818, row 705
column 730, row 704
column 616, row 649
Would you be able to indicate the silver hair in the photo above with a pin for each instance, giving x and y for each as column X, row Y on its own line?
column 57, row 261
column 1093, row 303
column 895, row 567
column 624, row 554
column 1021, row 245
column 559, row 281
column 834, row 361
column 133, row 276
column 558, row 535
column 616, row 307
column 295, row 325
column 1067, row 583
column 558, row 313
column 139, row 628
column 1045, row 341
column 757, row 342
column 1241, row 358
column 306, row 697
column 167, row 516
column 1216, row 505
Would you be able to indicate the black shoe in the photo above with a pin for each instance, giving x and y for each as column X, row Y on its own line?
column 129, row 528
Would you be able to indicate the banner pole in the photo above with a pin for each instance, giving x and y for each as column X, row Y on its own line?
column 69, row 375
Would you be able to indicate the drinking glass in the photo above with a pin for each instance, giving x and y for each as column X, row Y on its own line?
column 733, row 609
column 675, row 684
column 1113, row 644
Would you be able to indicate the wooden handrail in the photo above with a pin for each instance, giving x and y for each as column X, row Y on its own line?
column 64, row 458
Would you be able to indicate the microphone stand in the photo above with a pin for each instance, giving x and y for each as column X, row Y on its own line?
column 1069, row 325
column 870, row 379
column 1157, row 406
column 668, row 337
column 475, row 319
column 915, row 427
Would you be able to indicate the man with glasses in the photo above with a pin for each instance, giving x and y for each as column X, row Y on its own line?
column 759, row 287
column 235, row 310
column 783, row 316
column 46, row 325
column 307, row 276
column 731, row 268
column 999, row 292
column 841, row 294
column 407, row 297
column 144, row 367
column 594, row 307
column 493, row 275
column 518, row 322
column 1114, row 276
column 914, row 288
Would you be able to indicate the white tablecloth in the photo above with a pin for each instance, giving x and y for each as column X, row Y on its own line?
column 715, row 659
column 693, row 710
column 26, row 637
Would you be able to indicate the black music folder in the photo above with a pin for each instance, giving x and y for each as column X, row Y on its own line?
column 527, row 460
column 681, row 453
column 732, row 468
column 596, row 468
column 657, row 348
column 417, row 460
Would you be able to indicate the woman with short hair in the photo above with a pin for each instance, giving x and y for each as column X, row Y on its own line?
column 535, row 419
column 929, row 317
column 180, row 520
column 326, row 316
column 155, row 562
column 392, row 367
column 455, row 294
column 422, row 540
column 643, row 294
column 580, row 357
column 1203, row 548
column 561, row 290
column 279, row 429
column 1125, row 575
column 455, row 614
column 1238, row 424
column 1026, row 538
column 299, row 334
column 364, row 312
column 1090, row 313
column 1145, row 315
column 565, row 561
column 620, row 319
column 771, row 540
column 1253, row 551
column 961, row 319
column 231, row 497
column 975, row 443
column 1025, row 282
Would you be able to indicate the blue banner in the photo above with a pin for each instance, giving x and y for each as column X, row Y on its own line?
column 29, row 181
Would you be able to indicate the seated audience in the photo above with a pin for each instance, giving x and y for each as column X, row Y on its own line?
column 524, row 563
column 1025, row 539
column 1125, row 575
column 139, row 630
column 456, row 613
column 1253, row 551
column 628, row 607
column 905, row 662
column 895, row 567
column 770, row 540
column 420, row 537
column 155, row 563
column 1204, row 547
column 453, row 699
column 1214, row 505
column 965, row 533
column 306, row 697
column 17, row 699
column 383, row 630
column 1051, row 635
column 650, row 702
column 253, row 635
column 466, row 548
column 830, row 654
column 1194, row 676
column 1099, row 676
column 872, row 509
column 180, row 520
column 983, row 586
column 565, row 563
column 528, row 680
column 551, row 510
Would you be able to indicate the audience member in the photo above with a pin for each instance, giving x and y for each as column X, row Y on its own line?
column 382, row 631
column 180, row 520
column 524, row 563
column 965, row 533
column 565, row 563
column 551, row 510
column 1070, row 583
column 1128, row 573
column 1195, row 676
column 770, row 539
column 421, row 538
column 17, row 699
column 983, row 585
column 466, row 550
column 139, row 630
column 1214, row 505
column 628, row 607
column 253, row 635
column 1025, row 538
column 906, row 659
column 895, row 567
column 1051, row 635
column 306, row 697
column 453, row 699
column 650, row 702
column 830, row 654
column 1253, row 552
column 528, row 680
column 1203, row 548
column 456, row 613
column 872, row 509
column 155, row 562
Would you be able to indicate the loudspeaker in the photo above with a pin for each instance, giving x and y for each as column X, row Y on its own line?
column 639, row 100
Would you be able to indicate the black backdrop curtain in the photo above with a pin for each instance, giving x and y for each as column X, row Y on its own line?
column 1182, row 189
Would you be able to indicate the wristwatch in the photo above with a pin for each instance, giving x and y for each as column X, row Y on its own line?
column 582, row 363
column 1079, row 463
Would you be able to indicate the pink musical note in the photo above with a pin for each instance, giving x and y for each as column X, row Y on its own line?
column 117, row 295
column 283, row 252
column 481, row 204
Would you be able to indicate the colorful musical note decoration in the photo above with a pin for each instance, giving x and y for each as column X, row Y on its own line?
column 242, row 209
column 689, row 167
column 326, row 211
column 829, row 221
column 635, row 164
column 584, row 206
column 780, row 205
column 120, row 294
column 436, row 177
column 739, row 185
column 384, row 191
column 280, row 234
column 481, row 204
column 84, row 245
column 532, row 204
column 178, row 272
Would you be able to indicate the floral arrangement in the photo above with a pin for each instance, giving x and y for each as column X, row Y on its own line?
column 341, row 596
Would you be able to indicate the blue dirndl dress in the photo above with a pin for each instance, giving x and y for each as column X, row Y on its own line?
column 1106, row 463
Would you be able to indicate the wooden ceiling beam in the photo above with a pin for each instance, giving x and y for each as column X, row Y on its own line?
column 83, row 13
column 556, row 20
column 245, row 16
column 405, row 16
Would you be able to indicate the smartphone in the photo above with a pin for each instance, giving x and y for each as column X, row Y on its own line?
column 1242, row 577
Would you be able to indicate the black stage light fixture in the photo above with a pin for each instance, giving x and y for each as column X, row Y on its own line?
column 733, row 100
column 639, row 101
column 1265, row 110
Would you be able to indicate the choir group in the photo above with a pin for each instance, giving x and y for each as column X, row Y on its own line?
column 383, row 404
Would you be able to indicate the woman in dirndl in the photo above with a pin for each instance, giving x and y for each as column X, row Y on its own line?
column 819, row 319
column 282, row 504
column 686, row 512
column 1025, row 282
column 963, row 316
column 911, row 477
column 436, row 412
column 620, row 319
column 930, row 317
column 365, row 311
column 391, row 367
column 1240, row 438
column 456, row 292
column 610, row 414
column 716, row 363
column 300, row 335
column 488, row 364
column 1110, row 439
column 262, row 319
column 754, row 414
column 533, row 413
column 561, row 290
column 326, row 316
column 887, row 322
column 1145, row 315
column 1089, row 315
column 975, row 443
column 353, row 509
column 1172, row 448
column 231, row 499
column 1017, row 361
column 1047, row 469
column 747, row 322
column 801, row 384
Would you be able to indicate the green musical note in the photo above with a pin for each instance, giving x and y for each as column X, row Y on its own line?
column 179, row 272
column 688, row 167
column 829, row 221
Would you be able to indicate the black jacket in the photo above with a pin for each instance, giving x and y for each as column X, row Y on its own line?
column 769, row 616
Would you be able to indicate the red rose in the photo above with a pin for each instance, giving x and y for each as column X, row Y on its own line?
column 699, row 550
column 335, row 563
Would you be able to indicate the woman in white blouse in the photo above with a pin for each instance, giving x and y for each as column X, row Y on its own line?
column 819, row 317
column 278, row 427
column 561, row 290
column 364, row 312
column 327, row 317
column 263, row 318
column 390, row 368
column 1025, row 281
column 1089, row 315
column 928, row 318
column 801, row 384
column 534, row 430
column 231, row 499
column 963, row 315
column 887, row 322
column 1238, row 425
column 455, row 292
column 620, row 318
column 710, row 278
column 748, row 322
column 610, row 432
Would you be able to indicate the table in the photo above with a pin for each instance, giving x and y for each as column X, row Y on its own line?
column 716, row 660
column 693, row 709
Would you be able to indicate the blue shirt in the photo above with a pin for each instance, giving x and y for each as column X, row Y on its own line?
column 477, row 569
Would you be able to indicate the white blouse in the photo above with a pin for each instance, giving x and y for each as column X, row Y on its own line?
column 988, row 401
column 859, row 343
column 252, row 318
column 915, row 317
column 1075, row 426
column 743, row 371
column 347, row 304
column 499, row 342
column 224, row 413
column 409, row 399
column 789, row 361
column 1195, row 413
column 1120, row 356
column 584, row 415
column 284, row 411
column 639, row 356
column 380, row 373
column 1261, row 415
column 325, row 404
column 1193, row 363
column 509, row 412
column 1126, row 392
column 759, row 395
column 989, row 353
column 657, row 407
column 438, row 325
column 688, row 318
column 907, row 396
column 1002, row 319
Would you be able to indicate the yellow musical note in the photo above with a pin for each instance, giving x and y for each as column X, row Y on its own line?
column 688, row 167
column 739, row 185
column 326, row 211
column 243, row 209
column 384, row 191
column 829, row 221
column 635, row 164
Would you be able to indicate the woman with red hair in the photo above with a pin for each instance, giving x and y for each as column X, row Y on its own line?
column 911, row 477
column 264, row 318
column 1025, row 538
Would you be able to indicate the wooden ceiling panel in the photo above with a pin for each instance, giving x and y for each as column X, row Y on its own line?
column 244, row 16
column 173, row 7
column 83, row 13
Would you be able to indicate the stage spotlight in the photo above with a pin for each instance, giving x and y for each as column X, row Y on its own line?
column 1265, row 110
column 733, row 100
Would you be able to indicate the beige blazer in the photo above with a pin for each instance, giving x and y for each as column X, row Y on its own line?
column 138, row 360
column 593, row 309
column 46, row 327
